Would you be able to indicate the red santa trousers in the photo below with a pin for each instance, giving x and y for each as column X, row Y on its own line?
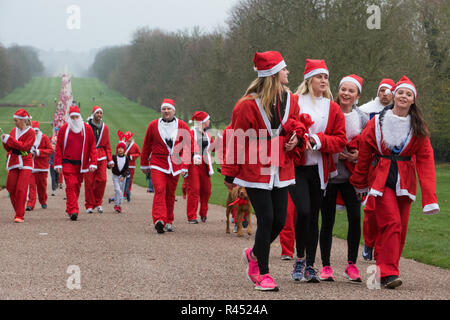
column 164, row 197
column 131, row 180
column 392, row 214
column 73, row 178
column 95, row 185
column 198, row 188
column 38, row 181
column 370, row 228
column 287, row 235
column 17, row 185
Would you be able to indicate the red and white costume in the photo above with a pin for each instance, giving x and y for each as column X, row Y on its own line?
column 19, row 166
column 75, row 154
column 41, row 150
column 198, row 181
column 392, row 207
column 166, row 162
column 133, row 152
column 95, row 182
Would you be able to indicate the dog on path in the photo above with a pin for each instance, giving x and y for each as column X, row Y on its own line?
column 238, row 200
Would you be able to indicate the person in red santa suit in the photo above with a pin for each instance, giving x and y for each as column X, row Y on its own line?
column 133, row 152
column 18, row 144
column 384, row 98
column 350, row 89
column 168, row 142
column 316, row 165
column 256, row 157
column 95, row 182
column 399, row 138
column 41, row 150
column 75, row 155
column 198, row 181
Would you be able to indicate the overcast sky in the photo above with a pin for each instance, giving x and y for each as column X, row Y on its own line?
column 44, row 23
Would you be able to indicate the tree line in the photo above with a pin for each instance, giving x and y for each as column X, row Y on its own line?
column 210, row 71
column 18, row 64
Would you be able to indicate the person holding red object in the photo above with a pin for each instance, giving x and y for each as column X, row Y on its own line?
column 198, row 181
column 95, row 182
column 133, row 152
column 399, row 138
column 168, row 141
column 75, row 155
column 18, row 144
column 41, row 150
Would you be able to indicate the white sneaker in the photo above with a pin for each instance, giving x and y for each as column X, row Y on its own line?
column 235, row 228
column 169, row 227
column 100, row 209
column 89, row 210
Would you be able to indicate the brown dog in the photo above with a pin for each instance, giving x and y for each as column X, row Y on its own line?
column 237, row 198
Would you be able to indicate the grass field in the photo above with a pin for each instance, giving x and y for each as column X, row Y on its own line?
column 428, row 236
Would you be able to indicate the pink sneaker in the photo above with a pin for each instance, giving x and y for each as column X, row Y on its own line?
column 352, row 272
column 266, row 283
column 326, row 274
column 252, row 265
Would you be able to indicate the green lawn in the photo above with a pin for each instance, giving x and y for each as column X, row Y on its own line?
column 428, row 236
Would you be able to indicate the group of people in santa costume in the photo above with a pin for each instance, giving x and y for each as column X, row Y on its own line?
column 321, row 152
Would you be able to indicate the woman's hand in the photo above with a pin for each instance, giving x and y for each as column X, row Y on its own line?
column 353, row 155
column 292, row 143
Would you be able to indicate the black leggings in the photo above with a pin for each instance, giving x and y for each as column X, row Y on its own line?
column 307, row 197
column 353, row 207
column 270, row 209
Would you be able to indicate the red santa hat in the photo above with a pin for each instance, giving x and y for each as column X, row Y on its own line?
column 200, row 116
column 387, row 83
column 21, row 114
column 121, row 144
column 35, row 125
column 168, row 103
column 353, row 78
column 268, row 63
column 96, row 109
column 314, row 67
column 404, row 82
column 74, row 111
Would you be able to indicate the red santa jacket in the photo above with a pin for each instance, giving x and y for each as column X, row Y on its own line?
column 156, row 154
column 133, row 152
column 373, row 180
column 89, row 152
column 43, row 151
column 196, row 152
column 104, row 146
column 14, row 143
column 249, row 155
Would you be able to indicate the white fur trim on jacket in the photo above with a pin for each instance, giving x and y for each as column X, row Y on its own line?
column 395, row 129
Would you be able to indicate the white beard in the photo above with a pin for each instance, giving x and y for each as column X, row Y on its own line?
column 76, row 125
column 352, row 124
column 395, row 129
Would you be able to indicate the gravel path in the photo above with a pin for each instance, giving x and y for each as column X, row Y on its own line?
column 120, row 256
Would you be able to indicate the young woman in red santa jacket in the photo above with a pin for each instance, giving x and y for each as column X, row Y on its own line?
column 95, row 182
column 75, row 155
column 399, row 138
column 350, row 89
column 133, row 152
column 257, row 160
column 316, row 165
column 18, row 144
column 168, row 142
column 41, row 150
column 198, row 181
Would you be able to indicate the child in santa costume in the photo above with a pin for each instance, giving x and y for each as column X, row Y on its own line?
column 350, row 89
column 133, row 152
column 398, row 137
column 95, row 182
column 41, row 150
column 256, row 157
column 198, row 181
column 316, row 165
column 53, row 174
column 168, row 141
column 120, row 172
column 75, row 155
column 18, row 144
column 384, row 98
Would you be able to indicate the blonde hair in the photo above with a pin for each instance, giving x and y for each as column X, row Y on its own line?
column 306, row 87
column 266, row 89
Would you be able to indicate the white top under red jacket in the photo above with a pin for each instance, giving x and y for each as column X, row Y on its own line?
column 250, row 159
column 104, row 146
column 42, row 152
column 88, row 152
column 133, row 152
column 15, row 142
column 416, row 155
column 328, row 131
column 196, row 139
column 159, row 155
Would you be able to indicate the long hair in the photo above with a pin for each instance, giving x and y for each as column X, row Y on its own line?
column 266, row 89
column 306, row 87
column 418, row 124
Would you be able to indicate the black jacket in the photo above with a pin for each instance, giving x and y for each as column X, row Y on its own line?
column 125, row 170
